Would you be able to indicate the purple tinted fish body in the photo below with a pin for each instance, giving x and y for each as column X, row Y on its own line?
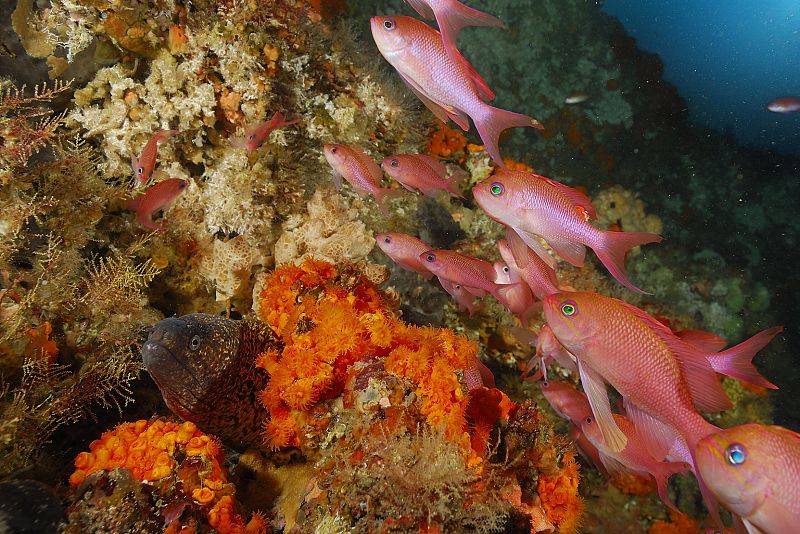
column 539, row 276
column 464, row 299
column 516, row 297
column 475, row 275
column 418, row 172
column 405, row 251
column 359, row 170
column 155, row 198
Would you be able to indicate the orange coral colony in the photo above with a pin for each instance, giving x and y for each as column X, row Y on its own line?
column 151, row 451
column 328, row 317
column 559, row 494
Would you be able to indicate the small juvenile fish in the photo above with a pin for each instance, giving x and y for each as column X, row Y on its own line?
column 144, row 165
column 452, row 16
column 516, row 295
column 157, row 197
column 256, row 136
column 464, row 299
column 754, row 471
column 539, row 276
column 634, row 456
column 576, row 98
column 405, row 250
column 449, row 86
column 785, row 104
column 359, row 170
column 532, row 205
column 476, row 276
column 417, row 172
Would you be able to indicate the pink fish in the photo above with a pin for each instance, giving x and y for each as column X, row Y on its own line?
column 785, row 104
column 359, row 170
column 516, row 297
column 478, row 375
column 448, row 86
column 464, row 299
column 548, row 349
column 157, row 197
column 452, row 16
column 663, row 379
column 532, row 206
column 417, row 172
column 634, row 457
column 539, row 276
column 754, row 471
column 405, row 250
column 254, row 137
column 474, row 275
column 144, row 165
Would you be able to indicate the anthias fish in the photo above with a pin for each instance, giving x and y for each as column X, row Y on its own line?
column 754, row 471
column 634, row 457
column 405, row 251
column 516, row 297
column 418, row 172
column 359, row 170
column 532, row 206
column 464, row 299
column 537, row 274
column 157, row 197
column 476, row 276
column 144, row 165
column 256, row 136
column 449, row 87
column 204, row 366
column 548, row 349
column 451, row 16
column 785, row 104
column 663, row 379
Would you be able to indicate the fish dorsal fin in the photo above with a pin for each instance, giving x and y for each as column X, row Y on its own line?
column 576, row 197
column 571, row 251
column 435, row 165
column 422, row 7
column 657, row 436
column 705, row 341
column 595, row 388
column 484, row 92
column 706, row 390
column 520, row 241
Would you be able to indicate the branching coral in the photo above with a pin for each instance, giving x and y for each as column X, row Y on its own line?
column 181, row 465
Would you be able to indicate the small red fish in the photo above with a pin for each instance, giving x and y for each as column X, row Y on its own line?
column 754, row 471
column 144, row 165
column 452, row 16
column 157, row 197
column 405, row 250
column 534, row 206
column 548, row 349
column 449, row 87
column 634, row 456
column 539, row 276
column 417, row 172
column 256, row 136
column 359, row 170
column 785, row 104
column 464, row 299
column 516, row 297
column 476, row 276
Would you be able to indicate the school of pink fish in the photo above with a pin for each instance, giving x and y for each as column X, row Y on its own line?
column 665, row 378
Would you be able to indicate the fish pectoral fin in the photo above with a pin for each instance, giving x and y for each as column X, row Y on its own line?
column 595, row 388
column 337, row 180
column 478, row 292
column 572, row 252
column 658, row 437
column 532, row 241
column 612, row 465
column 751, row 529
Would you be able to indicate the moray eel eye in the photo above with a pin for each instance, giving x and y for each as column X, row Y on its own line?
column 194, row 343
column 496, row 189
column 736, row 454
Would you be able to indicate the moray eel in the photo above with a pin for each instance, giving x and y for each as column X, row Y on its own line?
column 204, row 366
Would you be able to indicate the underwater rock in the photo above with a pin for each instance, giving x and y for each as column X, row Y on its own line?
column 204, row 366
column 28, row 507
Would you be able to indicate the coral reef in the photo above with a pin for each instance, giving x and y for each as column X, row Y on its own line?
column 181, row 468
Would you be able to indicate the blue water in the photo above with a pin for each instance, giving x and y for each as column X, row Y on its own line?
column 728, row 59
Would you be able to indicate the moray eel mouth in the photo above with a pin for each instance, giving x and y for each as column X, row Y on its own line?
column 176, row 370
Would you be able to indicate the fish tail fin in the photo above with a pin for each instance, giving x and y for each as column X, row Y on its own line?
column 491, row 122
column 612, row 248
column 384, row 193
column 662, row 475
column 456, row 16
column 739, row 358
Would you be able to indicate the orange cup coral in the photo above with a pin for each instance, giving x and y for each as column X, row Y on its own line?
column 559, row 494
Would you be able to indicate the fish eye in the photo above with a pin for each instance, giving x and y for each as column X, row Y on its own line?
column 506, row 269
column 251, row 137
column 394, row 163
column 387, row 239
column 588, row 420
column 496, row 189
column 389, row 24
column 735, row 454
column 545, row 384
column 430, row 257
column 194, row 343
column 569, row 309
column 333, row 150
column 140, row 170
